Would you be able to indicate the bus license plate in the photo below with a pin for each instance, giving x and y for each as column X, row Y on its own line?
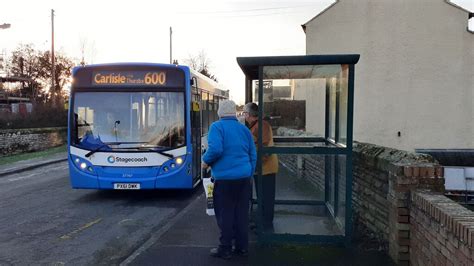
column 126, row 186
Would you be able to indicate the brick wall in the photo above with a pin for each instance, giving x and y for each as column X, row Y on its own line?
column 16, row 141
column 383, row 179
column 442, row 231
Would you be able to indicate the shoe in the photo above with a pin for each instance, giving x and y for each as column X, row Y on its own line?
column 240, row 252
column 219, row 253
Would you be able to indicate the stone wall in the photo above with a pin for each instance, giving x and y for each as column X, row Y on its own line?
column 16, row 141
column 442, row 231
column 383, row 179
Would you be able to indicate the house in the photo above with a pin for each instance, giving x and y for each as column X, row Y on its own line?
column 14, row 104
column 414, row 86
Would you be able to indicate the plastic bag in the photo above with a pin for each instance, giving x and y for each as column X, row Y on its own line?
column 209, row 188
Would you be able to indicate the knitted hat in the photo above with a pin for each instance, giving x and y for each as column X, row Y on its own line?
column 226, row 108
column 251, row 108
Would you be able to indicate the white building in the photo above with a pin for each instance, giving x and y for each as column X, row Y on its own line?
column 414, row 84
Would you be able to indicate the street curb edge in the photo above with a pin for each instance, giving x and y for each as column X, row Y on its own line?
column 19, row 170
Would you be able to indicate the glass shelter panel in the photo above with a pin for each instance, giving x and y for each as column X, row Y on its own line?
column 332, row 84
column 300, row 177
column 343, row 94
column 305, row 102
column 340, row 216
column 299, row 189
column 335, row 189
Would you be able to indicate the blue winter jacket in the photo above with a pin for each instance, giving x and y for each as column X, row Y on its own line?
column 231, row 150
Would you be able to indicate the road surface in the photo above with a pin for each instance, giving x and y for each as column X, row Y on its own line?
column 44, row 221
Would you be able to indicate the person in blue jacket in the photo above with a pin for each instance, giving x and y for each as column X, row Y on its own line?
column 232, row 157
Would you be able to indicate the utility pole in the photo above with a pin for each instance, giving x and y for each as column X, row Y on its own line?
column 53, row 68
column 171, row 46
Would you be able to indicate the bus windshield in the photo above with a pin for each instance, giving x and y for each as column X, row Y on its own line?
column 128, row 120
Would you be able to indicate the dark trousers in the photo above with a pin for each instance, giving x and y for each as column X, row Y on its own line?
column 231, row 206
column 268, row 198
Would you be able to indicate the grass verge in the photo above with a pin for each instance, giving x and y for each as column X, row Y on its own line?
column 31, row 155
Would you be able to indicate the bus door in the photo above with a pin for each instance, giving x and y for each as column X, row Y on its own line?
column 196, row 132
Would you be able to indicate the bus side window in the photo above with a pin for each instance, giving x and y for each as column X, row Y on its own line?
column 216, row 107
column 205, row 112
column 211, row 108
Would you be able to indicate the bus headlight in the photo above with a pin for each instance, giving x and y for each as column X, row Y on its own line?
column 173, row 165
column 83, row 165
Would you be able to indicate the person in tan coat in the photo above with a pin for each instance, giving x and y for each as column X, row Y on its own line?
column 269, row 164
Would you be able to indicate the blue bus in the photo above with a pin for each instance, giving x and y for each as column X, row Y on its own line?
column 139, row 125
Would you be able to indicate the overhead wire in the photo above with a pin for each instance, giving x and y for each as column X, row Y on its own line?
column 250, row 10
column 255, row 12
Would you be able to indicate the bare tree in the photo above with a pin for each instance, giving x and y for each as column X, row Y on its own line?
column 83, row 43
column 88, row 51
column 201, row 63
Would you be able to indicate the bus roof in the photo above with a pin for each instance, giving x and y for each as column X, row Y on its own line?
column 209, row 85
column 127, row 64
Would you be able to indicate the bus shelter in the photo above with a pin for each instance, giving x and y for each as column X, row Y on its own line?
column 308, row 101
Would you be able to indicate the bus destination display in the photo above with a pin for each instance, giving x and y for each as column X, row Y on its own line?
column 118, row 78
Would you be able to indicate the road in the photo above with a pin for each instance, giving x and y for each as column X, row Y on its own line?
column 44, row 221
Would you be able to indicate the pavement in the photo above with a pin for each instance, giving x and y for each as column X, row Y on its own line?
column 25, row 165
column 188, row 236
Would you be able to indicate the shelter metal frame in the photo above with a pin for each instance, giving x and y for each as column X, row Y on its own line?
column 253, row 68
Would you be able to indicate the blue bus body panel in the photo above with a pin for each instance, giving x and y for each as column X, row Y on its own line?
column 145, row 176
column 152, row 177
column 80, row 179
column 180, row 179
column 148, row 177
column 130, row 173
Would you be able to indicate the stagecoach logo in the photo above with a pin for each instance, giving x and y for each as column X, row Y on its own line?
column 113, row 159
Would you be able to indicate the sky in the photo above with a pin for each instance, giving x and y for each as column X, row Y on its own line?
column 138, row 31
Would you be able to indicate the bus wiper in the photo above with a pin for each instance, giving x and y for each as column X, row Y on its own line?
column 171, row 156
column 102, row 146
